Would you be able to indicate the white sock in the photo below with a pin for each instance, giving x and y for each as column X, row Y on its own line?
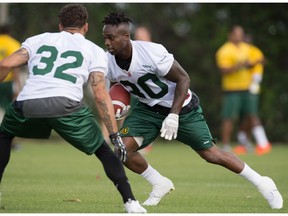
column 226, row 147
column 243, row 139
column 251, row 175
column 151, row 175
column 260, row 135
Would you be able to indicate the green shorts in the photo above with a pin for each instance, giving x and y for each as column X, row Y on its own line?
column 6, row 94
column 193, row 130
column 80, row 128
column 239, row 104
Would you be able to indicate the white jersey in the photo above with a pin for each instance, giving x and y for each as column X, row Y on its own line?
column 145, row 76
column 59, row 65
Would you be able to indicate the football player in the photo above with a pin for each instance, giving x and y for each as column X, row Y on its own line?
column 167, row 107
column 59, row 65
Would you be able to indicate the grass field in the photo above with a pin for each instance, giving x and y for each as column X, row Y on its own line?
column 44, row 175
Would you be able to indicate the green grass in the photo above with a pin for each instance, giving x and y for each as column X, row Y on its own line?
column 43, row 174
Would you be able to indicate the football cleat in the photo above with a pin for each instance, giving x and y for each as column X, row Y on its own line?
column 263, row 150
column 133, row 206
column 270, row 192
column 159, row 191
column 240, row 150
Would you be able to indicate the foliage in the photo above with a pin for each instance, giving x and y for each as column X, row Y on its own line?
column 193, row 32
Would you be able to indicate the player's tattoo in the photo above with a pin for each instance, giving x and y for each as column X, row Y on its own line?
column 23, row 52
column 108, row 123
column 106, row 117
column 96, row 78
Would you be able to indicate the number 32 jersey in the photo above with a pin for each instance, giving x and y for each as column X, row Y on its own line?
column 59, row 65
column 145, row 77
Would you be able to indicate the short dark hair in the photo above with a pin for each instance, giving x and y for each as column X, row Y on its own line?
column 73, row 15
column 116, row 18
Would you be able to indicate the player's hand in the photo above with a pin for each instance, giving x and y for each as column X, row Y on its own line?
column 119, row 147
column 254, row 88
column 119, row 115
column 170, row 126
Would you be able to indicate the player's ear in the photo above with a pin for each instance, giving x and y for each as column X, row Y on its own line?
column 60, row 27
column 85, row 28
column 127, row 36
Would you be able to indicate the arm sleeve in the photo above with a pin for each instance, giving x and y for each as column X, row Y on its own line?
column 100, row 62
column 163, row 59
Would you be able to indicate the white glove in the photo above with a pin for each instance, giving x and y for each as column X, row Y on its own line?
column 119, row 115
column 254, row 88
column 170, row 126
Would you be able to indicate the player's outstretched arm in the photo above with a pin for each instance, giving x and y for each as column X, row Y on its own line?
column 106, row 112
column 15, row 60
column 170, row 124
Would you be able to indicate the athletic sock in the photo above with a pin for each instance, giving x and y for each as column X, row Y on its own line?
column 251, row 175
column 152, row 175
column 226, row 147
column 115, row 171
column 260, row 135
column 5, row 151
column 243, row 139
column 124, row 189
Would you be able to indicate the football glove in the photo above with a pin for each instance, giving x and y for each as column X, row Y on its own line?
column 254, row 88
column 119, row 147
column 170, row 126
column 120, row 115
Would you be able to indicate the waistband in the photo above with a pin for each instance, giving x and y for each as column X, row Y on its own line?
column 192, row 105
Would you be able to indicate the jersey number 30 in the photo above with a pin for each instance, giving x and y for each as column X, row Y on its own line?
column 49, row 63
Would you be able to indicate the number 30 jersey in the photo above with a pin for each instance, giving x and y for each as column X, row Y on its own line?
column 59, row 65
column 145, row 77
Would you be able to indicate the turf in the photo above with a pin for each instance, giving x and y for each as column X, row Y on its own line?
column 48, row 177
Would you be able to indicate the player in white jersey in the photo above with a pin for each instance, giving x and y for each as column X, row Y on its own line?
column 60, row 64
column 167, row 107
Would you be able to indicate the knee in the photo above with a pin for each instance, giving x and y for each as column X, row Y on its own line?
column 213, row 157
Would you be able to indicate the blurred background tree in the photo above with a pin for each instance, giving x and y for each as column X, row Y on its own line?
column 192, row 32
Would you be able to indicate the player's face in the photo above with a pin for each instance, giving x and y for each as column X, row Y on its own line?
column 237, row 35
column 115, row 39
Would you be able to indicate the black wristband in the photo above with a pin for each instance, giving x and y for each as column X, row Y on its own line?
column 114, row 135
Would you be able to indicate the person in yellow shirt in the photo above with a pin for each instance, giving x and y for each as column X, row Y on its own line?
column 10, row 87
column 254, row 125
column 233, row 61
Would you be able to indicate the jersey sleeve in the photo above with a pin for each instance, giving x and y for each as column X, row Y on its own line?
column 223, row 58
column 99, row 62
column 31, row 42
column 256, row 55
column 163, row 60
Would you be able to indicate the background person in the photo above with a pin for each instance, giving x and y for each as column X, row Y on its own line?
column 10, row 87
column 253, row 124
column 233, row 62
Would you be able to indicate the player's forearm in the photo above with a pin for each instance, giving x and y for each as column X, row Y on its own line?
column 103, row 101
column 180, row 95
column 16, row 60
column 4, row 70
column 106, row 112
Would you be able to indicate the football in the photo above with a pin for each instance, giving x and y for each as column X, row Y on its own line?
column 120, row 97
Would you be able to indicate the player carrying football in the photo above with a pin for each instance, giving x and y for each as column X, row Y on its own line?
column 167, row 107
